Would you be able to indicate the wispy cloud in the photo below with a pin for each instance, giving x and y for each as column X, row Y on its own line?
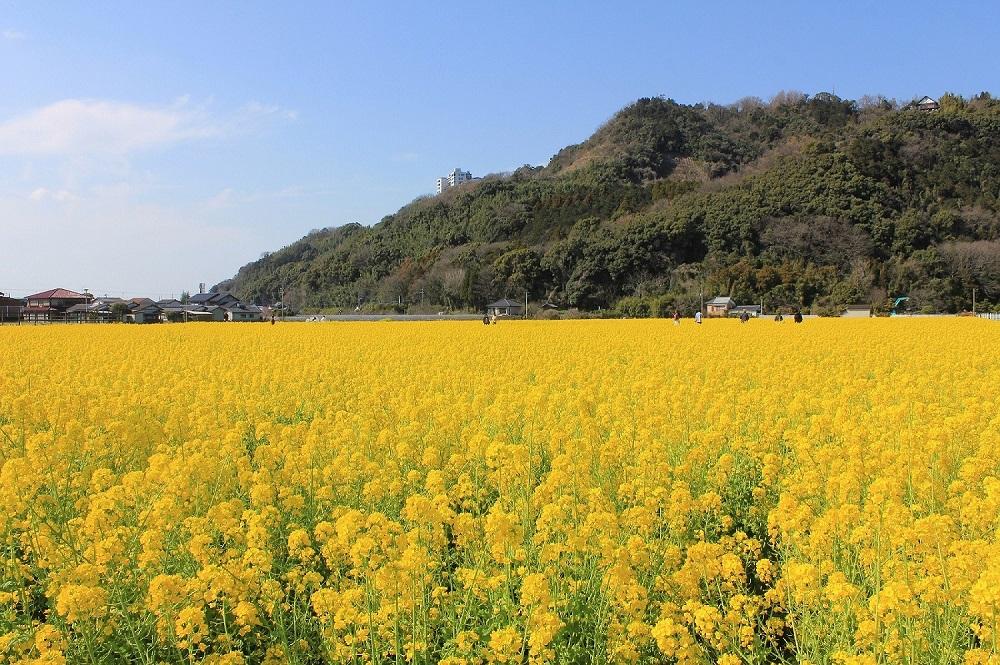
column 102, row 127
column 12, row 35
column 58, row 195
column 88, row 126
column 257, row 109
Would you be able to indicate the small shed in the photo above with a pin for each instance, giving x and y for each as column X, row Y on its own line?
column 719, row 306
column 927, row 104
column 505, row 307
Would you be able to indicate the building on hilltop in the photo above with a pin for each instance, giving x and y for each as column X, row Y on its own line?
column 927, row 104
column 456, row 177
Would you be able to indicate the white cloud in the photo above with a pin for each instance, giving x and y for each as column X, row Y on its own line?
column 12, row 35
column 45, row 194
column 88, row 126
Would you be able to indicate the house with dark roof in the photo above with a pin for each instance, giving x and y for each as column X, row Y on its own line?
column 10, row 308
column 505, row 307
column 143, row 310
column 217, row 299
column 241, row 312
column 927, row 104
column 95, row 312
column 51, row 305
column 751, row 310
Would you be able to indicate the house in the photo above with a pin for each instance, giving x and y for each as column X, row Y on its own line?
column 752, row 310
column 171, row 309
column 143, row 310
column 10, row 308
column 505, row 307
column 204, row 313
column 927, row 104
column 51, row 305
column 857, row 311
column 719, row 306
column 239, row 312
column 95, row 312
column 216, row 299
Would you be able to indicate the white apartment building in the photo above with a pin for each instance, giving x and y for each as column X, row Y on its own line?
column 456, row 177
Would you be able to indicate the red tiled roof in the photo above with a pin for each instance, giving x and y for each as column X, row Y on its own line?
column 55, row 293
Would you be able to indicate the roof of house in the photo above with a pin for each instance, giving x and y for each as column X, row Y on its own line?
column 57, row 293
column 722, row 300
column 504, row 302
column 747, row 308
column 82, row 307
column 927, row 100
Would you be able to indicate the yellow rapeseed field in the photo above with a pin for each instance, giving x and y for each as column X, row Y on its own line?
column 531, row 492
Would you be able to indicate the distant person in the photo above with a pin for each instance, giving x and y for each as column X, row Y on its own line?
column 798, row 316
column 744, row 317
column 677, row 318
column 778, row 317
column 486, row 319
column 272, row 318
column 697, row 317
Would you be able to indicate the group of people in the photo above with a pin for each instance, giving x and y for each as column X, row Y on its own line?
column 744, row 317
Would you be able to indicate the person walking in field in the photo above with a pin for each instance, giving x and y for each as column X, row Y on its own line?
column 697, row 317
column 486, row 319
column 778, row 317
column 798, row 316
column 677, row 318
column 744, row 317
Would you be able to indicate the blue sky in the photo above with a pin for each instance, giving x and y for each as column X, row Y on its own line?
column 145, row 147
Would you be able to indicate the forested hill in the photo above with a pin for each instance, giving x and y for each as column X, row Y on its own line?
column 800, row 202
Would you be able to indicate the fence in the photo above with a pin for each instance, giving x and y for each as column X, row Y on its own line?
column 992, row 316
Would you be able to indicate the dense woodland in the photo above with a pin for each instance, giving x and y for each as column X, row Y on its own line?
column 800, row 202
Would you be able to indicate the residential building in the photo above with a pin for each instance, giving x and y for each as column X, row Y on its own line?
column 217, row 299
column 752, row 310
column 927, row 104
column 51, row 305
column 10, row 308
column 456, row 177
column 240, row 312
column 505, row 307
column 719, row 306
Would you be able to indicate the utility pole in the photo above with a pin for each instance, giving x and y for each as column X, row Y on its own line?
column 973, row 301
column 525, row 305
